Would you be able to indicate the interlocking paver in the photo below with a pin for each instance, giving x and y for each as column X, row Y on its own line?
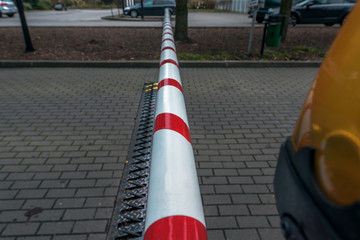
column 20, row 229
column 65, row 133
column 90, row 226
column 59, row 227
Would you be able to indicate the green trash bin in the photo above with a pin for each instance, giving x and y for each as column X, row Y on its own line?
column 273, row 36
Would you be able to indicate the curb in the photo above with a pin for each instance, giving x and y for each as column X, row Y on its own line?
column 155, row 64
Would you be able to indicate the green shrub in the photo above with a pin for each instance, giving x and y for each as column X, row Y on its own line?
column 27, row 6
column 43, row 5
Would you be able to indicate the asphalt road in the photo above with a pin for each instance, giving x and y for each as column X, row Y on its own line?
column 93, row 18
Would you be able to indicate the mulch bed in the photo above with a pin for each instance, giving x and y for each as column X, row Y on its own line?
column 124, row 44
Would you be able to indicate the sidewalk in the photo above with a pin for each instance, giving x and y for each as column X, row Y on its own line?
column 65, row 133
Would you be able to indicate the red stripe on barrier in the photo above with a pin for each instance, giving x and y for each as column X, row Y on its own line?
column 169, row 82
column 169, row 61
column 168, row 34
column 176, row 228
column 168, row 48
column 172, row 122
column 168, row 39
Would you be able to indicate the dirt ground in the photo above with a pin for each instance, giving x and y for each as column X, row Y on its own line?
column 124, row 44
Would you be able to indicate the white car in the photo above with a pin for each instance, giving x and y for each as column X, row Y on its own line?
column 8, row 8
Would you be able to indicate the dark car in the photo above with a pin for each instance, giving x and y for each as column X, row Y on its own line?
column 151, row 8
column 328, row 12
column 8, row 8
column 60, row 7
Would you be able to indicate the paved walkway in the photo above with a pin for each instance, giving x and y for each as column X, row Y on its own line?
column 65, row 132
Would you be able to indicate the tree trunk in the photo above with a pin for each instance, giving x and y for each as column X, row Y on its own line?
column 27, row 38
column 181, row 24
column 285, row 9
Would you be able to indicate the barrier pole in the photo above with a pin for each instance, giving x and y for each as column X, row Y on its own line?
column 174, row 208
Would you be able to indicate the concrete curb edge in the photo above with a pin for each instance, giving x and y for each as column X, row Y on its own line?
column 155, row 64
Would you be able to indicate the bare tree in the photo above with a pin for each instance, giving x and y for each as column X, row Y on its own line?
column 181, row 24
column 285, row 9
column 27, row 38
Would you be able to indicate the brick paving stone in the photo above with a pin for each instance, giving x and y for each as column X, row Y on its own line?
column 255, row 188
column 216, row 199
column 246, row 234
column 20, row 229
column 220, row 222
column 245, row 198
column 79, row 214
column 13, row 216
column 8, row 194
column 270, row 234
column 216, row 235
column 11, row 204
column 214, row 180
column 65, row 133
column 82, row 183
column 90, row 226
column 53, row 184
column 6, row 185
column 241, row 180
column 47, row 216
column 60, row 193
column 73, row 175
column 97, row 237
column 35, row 238
column 267, row 198
column 263, row 209
column 69, row 202
column 207, row 189
column 90, row 192
column 104, row 213
column 228, row 188
column 56, row 228
column 252, row 221
column 71, row 237
column 34, row 203
column 100, row 202
column 211, row 210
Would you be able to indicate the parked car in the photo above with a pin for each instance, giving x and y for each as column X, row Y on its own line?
column 328, row 12
column 60, row 7
column 8, row 8
column 151, row 8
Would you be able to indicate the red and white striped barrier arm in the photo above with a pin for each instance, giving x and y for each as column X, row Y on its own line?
column 174, row 207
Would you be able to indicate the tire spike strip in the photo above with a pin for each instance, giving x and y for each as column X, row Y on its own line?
column 174, row 208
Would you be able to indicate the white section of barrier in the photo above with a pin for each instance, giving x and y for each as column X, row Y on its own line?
column 169, row 71
column 174, row 184
column 171, row 100
column 168, row 44
column 168, row 54
column 167, row 33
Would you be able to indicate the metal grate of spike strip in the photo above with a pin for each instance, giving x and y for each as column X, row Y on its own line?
column 129, row 214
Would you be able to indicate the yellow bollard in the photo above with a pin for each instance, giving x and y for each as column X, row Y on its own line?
column 330, row 119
